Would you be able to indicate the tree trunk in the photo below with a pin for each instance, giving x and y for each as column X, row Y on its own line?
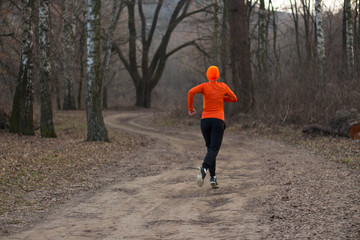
column 262, row 46
column 344, row 124
column 224, row 49
column 95, row 121
column 308, row 38
column 115, row 15
column 143, row 96
column 295, row 16
column 46, row 118
column 69, row 97
column 320, row 39
column 104, row 97
column 82, row 54
column 344, row 32
column 349, row 36
column 57, row 93
column 80, row 87
column 275, row 49
column 216, row 39
column 15, row 113
column 22, row 112
column 240, row 56
column 357, row 38
column 152, row 69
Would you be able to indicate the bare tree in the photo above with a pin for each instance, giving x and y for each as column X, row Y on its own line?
column 96, row 127
column 275, row 38
column 151, row 68
column 82, row 53
column 115, row 15
column 224, row 41
column 22, row 111
column 307, row 25
column 320, row 37
column 216, row 33
column 250, row 6
column 240, row 55
column 357, row 35
column 295, row 17
column 349, row 53
column 68, row 45
column 262, row 43
column 46, row 118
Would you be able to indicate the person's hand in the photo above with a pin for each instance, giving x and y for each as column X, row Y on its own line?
column 193, row 112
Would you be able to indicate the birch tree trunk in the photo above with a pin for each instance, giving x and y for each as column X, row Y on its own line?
column 115, row 15
column 240, row 56
column 46, row 118
column 69, row 97
column 95, row 121
column 320, row 38
column 22, row 111
column 349, row 36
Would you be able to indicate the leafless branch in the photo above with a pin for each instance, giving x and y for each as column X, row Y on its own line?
column 7, row 34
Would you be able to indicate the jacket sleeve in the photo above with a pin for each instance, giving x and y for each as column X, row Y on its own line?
column 229, row 95
column 191, row 93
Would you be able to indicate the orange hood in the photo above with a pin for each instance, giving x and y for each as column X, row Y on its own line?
column 212, row 73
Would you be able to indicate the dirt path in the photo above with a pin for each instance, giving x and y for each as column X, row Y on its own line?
column 267, row 191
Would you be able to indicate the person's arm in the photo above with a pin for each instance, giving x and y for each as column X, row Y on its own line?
column 191, row 93
column 229, row 95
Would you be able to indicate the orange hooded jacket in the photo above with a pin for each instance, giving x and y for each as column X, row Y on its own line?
column 214, row 95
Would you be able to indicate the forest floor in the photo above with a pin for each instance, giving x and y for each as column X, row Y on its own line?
column 275, row 183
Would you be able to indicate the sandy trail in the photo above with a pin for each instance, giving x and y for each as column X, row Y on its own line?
column 170, row 205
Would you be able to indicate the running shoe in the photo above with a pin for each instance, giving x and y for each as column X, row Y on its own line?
column 200, row 176
column 213, row 182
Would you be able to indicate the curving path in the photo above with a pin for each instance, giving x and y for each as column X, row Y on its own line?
column 169, row 204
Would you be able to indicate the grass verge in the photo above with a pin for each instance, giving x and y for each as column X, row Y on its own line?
column 36, row 172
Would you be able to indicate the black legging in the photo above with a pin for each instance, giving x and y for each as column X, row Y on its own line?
column 213, row 132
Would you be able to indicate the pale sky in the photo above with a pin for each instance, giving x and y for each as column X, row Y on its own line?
column 332, row 5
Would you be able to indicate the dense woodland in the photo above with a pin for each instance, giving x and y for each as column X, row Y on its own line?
column 296, row 65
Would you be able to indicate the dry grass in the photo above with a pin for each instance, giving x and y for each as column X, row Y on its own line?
column 337, row 149
column 36, row 172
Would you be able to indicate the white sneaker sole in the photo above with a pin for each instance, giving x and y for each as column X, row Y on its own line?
column 199, row 179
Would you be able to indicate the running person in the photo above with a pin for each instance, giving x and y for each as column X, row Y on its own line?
column 212, row 121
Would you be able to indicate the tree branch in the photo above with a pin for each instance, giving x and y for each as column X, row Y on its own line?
column 180, row 47
column 143, row 22
column 174, row 21
column 161, row 50
column 16, row 5
column 125, row 62
column 154, row 22
column 185, row 15
column 193, row 43
column 132, row 38
column 7, row 34
column 121, row 56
